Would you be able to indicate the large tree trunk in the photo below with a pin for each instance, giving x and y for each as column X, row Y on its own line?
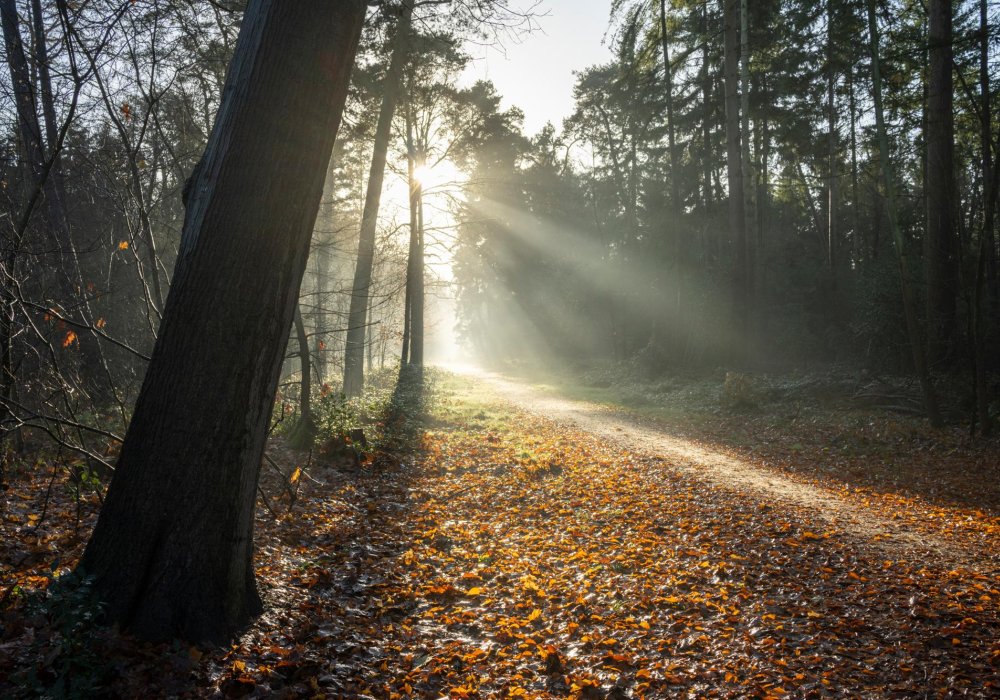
column 941, row 243
column 905, row 280
column 171, row 553
column 734, row 168
column 354, row 350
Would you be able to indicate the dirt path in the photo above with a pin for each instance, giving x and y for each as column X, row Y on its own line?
column 730, row 472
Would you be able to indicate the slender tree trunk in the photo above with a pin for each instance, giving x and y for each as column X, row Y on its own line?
column 675, row 242
column 941, row 243
column 417, row 299
column 33, row 160
column 734, row 167
column 171, row 552
column 749, row 176
column 323, row 241
column 831, row 155
column 986, row 236
column 707, row 154
column 45, row 78
column 305, row 430
column 321, row 314
column 675, row 197
column 857, row 240
column 411, row 168
column 24, row 94
column 354, row 350
column 909, row 302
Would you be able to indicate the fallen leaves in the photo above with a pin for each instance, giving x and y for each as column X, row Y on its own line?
column 471, row 568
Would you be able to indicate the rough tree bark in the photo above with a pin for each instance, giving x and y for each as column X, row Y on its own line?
column 171, row 553
column 354, row 349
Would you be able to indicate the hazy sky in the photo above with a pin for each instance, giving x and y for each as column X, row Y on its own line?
column 537, row 73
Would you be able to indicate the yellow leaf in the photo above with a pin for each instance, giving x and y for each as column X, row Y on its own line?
column 535, row 614
column 295, row 475
column 475, row 591
column 123, row 245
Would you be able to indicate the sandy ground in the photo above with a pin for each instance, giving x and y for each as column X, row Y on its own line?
column 725, row 470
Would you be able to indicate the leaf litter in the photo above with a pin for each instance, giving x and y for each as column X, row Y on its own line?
column 508, row 555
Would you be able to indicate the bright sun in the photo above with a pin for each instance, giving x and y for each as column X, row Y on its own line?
column 442, row 174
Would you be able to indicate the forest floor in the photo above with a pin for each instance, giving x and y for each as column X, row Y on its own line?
column 508, row 541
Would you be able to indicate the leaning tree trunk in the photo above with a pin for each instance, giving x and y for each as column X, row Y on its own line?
column 171, row 552
column 941, row 243
column 354, row 349
column 905, row 280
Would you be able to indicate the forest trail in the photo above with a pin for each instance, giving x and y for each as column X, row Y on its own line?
column 502, row 542
column 723, row 468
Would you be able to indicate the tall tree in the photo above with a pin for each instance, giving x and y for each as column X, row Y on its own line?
column 888, row 179
column 732, row 20
column 354, row 350
column 986, row 245
column 941, row 242
column 171, row 552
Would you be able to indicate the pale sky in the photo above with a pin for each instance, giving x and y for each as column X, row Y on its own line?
column 537, row 73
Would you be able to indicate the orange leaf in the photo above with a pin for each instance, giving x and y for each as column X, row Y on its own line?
column 69, row 339
column 123, row 245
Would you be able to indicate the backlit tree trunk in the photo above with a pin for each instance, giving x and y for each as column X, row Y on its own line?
column 354, row 350
column 734, row 168
column 171, row 553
